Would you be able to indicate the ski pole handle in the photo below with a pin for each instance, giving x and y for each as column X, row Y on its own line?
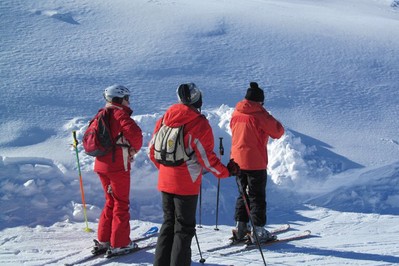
column 75, row 140
column 221, row 149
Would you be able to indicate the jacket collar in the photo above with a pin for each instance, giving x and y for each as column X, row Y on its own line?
column 180, row 114
column 120, row 107
column 246, row 106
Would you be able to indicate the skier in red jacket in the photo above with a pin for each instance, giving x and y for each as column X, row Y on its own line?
column 251, row 126
column 113, row 170
column 180, row 185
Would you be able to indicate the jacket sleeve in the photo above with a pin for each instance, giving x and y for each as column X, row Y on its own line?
column 131, row 131
column 203, row 145
column 272, row 126
column 151, row 144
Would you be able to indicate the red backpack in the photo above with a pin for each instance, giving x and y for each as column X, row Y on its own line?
column 97, row 140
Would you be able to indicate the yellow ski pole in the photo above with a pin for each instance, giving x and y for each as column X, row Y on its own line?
column 75, row 145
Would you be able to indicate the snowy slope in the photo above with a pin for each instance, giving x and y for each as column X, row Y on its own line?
column 330, row 74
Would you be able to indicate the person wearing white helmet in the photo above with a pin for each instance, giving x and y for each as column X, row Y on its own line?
column 113, row 170
column 180, row 185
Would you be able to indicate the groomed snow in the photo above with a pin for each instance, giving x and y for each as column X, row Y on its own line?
column 330, row 73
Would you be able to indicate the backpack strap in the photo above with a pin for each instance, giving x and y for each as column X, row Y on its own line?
column 107, row 113
column 193, row 151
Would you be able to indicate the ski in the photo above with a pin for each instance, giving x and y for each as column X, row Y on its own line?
column 110, row 256
column 252, row 246
column 276, row 231
column 152, row 232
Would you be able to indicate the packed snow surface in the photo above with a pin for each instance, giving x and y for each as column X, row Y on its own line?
column 329, row 70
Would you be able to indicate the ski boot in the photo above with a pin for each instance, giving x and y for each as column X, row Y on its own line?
column 241, row 232
column 99, row 247
column 111, row 252
column 262, row 234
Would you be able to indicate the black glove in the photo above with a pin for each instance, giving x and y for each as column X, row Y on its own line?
column 233, row 167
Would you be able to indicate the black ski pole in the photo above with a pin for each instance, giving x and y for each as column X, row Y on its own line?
column 221, row 153
column 200, row 206
column 202, row 260
column 244, row 197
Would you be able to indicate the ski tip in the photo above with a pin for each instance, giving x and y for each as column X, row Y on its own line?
column 285, row 226
column 153, row 229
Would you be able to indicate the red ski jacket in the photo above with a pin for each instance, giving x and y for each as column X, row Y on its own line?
column 185, row 179
column 120, row 122
column 251, row 125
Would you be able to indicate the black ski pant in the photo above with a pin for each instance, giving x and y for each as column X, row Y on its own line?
column 177, row 231
column 254, row 185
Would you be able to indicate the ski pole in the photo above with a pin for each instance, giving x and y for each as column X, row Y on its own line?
column 202, row 260
column 200, row 206
column 244, row 197
column 75, row 145
column 221, row 153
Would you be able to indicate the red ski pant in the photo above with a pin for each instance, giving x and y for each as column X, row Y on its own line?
column 114, row 226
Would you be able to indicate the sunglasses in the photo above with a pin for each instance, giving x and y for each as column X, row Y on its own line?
column 126, row 97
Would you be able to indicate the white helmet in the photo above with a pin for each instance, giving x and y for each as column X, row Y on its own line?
column 116, row 91
column 189, row 94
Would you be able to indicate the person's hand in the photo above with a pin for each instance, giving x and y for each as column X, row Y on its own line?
column 132, row 152
column 233, row 167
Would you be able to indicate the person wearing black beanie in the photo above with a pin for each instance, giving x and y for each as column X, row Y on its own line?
column 251, row 126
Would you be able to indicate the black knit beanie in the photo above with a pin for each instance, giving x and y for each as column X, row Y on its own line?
column 189, row 94
column 254, row 93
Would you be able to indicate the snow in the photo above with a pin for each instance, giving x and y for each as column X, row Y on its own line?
column 330, row 73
